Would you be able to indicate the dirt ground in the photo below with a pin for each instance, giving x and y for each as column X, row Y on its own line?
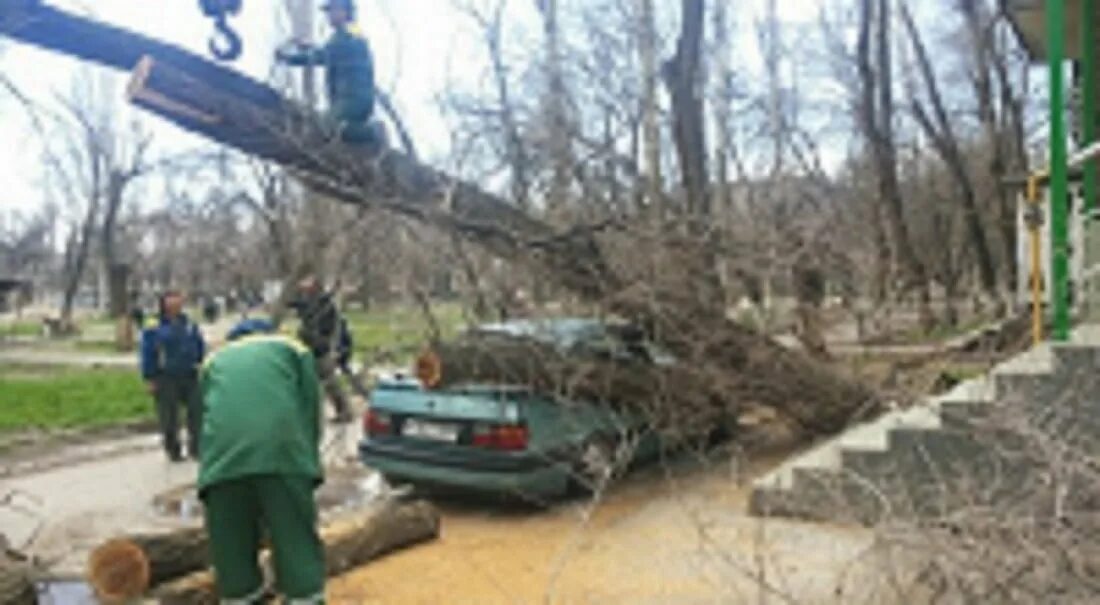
column 650, row 541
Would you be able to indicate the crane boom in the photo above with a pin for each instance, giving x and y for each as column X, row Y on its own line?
column 35, row 23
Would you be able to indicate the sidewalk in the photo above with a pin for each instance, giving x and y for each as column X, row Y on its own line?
column 108, row 489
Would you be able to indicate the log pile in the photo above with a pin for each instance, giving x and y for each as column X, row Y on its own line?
column 175, row 564
column 349, row 542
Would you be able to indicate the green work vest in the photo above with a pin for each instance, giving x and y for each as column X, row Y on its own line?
column 261, row 413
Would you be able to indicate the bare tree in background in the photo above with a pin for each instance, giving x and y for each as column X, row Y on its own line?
column 937, row 125
column 876, row 119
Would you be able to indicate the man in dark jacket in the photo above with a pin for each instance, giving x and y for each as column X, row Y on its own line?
column 349, row 71
column 172, row 349
column 320, row 331
column 260, row 464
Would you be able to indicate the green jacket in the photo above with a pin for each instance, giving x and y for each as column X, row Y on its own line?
column 262, row 414
column 349, row 72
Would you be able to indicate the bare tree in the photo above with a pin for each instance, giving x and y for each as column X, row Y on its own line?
column 939, row 129
column 876, row 119
column 683, row 75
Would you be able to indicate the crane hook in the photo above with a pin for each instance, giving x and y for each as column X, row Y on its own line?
column 226, row 43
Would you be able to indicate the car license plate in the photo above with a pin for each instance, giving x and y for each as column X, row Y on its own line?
column 430, row 430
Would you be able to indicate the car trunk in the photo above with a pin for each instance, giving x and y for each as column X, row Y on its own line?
column 400, row 408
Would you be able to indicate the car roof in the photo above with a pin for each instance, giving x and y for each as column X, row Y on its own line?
column 558, row 331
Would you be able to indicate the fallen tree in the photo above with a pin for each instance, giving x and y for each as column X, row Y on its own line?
column 683, row 311
column 175, row 563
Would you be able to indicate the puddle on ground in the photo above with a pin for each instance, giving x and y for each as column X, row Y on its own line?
column 344, row 489
column 65, row 592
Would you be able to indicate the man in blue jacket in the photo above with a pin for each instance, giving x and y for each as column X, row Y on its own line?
column 172, row 349
column 349, row 72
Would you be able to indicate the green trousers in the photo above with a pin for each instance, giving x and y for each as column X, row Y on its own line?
column 238, row 512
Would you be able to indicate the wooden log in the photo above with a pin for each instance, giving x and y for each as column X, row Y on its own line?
column 173, row 554
column 349, row 542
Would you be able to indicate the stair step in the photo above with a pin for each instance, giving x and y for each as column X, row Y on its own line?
column 951, row 451
column 1037, row 360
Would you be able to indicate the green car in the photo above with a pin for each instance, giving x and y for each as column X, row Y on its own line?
column 502, row 439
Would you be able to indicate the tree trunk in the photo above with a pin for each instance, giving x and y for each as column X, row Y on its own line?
column 555, row 111
column 81, row 242
column 116, row 183
column 722, row 109
column 349, row 543
column 651, row 132
column 683, row 77
column 876, row 120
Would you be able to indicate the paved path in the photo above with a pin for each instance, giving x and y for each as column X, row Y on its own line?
column 108, row 489
column 46, row 353
column 29, row 356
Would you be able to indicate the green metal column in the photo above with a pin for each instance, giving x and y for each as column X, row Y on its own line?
column 1090, row 295
column 1059, row 227
column 1088, row 119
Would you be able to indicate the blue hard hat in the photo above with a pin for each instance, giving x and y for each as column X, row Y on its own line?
column 248, row 327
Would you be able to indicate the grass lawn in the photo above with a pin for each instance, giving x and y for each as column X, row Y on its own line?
column 21, row 328
column 55, row 398
column 398, row 329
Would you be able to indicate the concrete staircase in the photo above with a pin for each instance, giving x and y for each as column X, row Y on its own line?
column 966, row 447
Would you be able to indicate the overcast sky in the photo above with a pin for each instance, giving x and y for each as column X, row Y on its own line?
column 420, row 46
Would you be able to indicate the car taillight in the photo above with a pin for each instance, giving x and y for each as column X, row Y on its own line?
column 376, row 423
column 501, row 437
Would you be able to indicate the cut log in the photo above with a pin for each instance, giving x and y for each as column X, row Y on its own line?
column 349, row 543
column 725, row 361
column 174, row 554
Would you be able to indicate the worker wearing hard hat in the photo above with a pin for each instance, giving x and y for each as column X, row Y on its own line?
column 260, row 464
column 349, row 70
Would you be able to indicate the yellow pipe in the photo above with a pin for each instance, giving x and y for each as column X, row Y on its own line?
column 1036, row 260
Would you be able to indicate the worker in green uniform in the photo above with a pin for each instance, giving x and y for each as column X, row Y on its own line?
column 349, row 72
column 261, row 463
